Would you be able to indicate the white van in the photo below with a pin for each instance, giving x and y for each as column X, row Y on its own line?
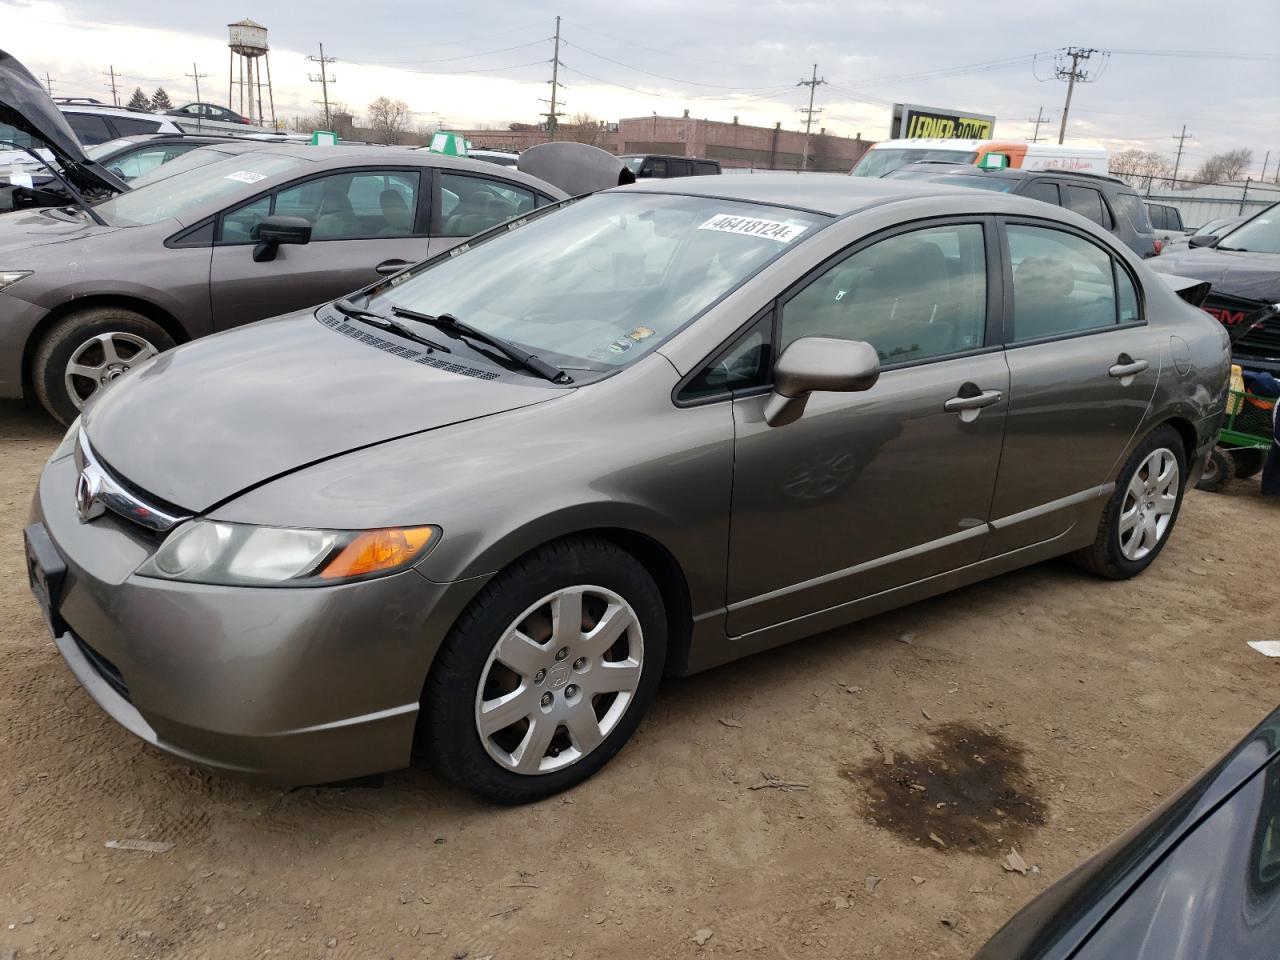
column 891, row 154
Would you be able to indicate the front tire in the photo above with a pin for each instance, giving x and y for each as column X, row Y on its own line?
column 86, row 351
column 547, row 673
column 1142, row 511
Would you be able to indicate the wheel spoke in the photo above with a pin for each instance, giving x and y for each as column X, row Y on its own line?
column 502, row 712
column 584, row 728
column 1150, row 533
column 566, row 618
column 84, row 370
column 1165, row 504
column 607, row 677
column 1128, row 520
column 518, row 651
column 616, row 620
column 528, row 756
column 1137, row 487
column 110, row 354
column 1166, row 471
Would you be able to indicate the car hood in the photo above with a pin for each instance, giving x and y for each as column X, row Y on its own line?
column 22, row 230
column 200, row 424
column 1250, row 276
column 25, row 105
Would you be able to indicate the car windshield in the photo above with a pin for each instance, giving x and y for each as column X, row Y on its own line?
column 173, row 195
column 100, row 150
column 1259, row 235
column 604, row 281
column 633, row 163
column 977, row 181
column 877, row 162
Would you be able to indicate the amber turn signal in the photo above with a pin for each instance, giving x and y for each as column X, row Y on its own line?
column 378, row 551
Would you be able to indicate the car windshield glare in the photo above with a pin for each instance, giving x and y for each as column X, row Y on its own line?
column 876, row 163
column 977, row 180
column 172, row 195
column 604, row 281
column 100, row 150
column 1259, row 235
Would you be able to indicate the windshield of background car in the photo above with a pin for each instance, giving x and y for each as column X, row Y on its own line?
column 876, row 163
column 154, row 199
column 602, row 282
column 1259, row 235
column 977, row 181
column 633, row 163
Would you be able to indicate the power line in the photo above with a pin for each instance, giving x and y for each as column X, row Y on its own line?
column 660, row 76
column 668, row 53
column 1073, row 75
column 466, row 56
column 809, row 113
column 324, row 80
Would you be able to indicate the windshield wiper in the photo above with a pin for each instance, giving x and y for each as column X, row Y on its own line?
column 349, row 309
column 448, row 322
column 1231, row 249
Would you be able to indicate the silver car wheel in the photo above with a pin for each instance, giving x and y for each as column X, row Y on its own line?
column 101, row 360
column 559, row 680
column 1149, row 502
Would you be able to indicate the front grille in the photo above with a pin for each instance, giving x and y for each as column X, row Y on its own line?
column 104, row 668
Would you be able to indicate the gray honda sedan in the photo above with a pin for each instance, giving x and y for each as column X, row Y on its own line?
column 488, row 503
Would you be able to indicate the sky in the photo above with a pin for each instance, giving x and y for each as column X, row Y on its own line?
column 1160, row 65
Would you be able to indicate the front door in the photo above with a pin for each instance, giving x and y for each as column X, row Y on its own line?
column 1083, row 367
column 363, row 226
column 869, row 491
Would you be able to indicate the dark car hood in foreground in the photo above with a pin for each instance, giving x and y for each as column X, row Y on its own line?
column 1249, row 276
column 25, row 105
column 204, row 422
column 1057, row 923
column 22, row 230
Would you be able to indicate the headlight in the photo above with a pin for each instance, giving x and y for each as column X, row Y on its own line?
column 208, row 551
column 68, row 444
column 10, row 277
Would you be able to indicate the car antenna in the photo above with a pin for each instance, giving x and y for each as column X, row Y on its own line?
column 75, row 194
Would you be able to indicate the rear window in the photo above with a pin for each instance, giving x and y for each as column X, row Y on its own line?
column 1131, row 207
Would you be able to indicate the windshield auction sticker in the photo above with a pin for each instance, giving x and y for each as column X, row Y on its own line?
column 753, row 227
column 246, row 176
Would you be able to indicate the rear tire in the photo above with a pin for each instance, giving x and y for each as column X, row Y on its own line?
column 1219, row 471
column 109, row 340
column 1139, row 518
column 1248, row 461
column 569, row 710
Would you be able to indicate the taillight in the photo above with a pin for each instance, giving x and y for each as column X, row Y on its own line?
column 1159, row 246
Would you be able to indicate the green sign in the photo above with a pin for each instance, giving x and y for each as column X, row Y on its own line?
column 994, row 161
column 450, row 144
column 324, row 138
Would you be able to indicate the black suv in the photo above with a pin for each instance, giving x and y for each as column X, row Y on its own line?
column 646, row 165
column 1109, row 202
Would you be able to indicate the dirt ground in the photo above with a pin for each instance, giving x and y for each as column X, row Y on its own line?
column 1044, row 708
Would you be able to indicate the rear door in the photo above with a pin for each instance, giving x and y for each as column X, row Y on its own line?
column 1083, row 366
column 869, row 491
column 366, row 222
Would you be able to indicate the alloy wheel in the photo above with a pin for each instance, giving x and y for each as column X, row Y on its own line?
column 101, row 360
column 1149, row 503
column 559, row 680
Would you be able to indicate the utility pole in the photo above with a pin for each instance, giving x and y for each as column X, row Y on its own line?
column 809, row 113
column 1266, row 160
column 1177, row 162
column 48, row 83
column 111, row 72
column 1071, row 75
column 552, row 114
column 1039, row 119
column 197, row 76
column 324, row 80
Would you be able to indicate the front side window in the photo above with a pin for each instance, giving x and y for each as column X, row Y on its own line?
column 913, row 296
column 601, row 282
column 743, row 365
column 354, row 206
column 241, row 224
column 1087, row 202
column 1062, row 284
column 471, row 205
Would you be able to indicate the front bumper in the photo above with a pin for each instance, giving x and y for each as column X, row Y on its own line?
column 278, row 685
column 18, row 319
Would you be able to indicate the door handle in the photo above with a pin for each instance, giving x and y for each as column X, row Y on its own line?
column 976, row 402
column 1126, row 366
column 387, row 267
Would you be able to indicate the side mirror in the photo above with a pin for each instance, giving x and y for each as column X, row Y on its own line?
column 1203, row 240
column 273, row 231
column 818, row 363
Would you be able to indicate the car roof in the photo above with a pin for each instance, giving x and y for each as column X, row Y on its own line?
column 834, row 194
column 943, row 168
column 105, row 109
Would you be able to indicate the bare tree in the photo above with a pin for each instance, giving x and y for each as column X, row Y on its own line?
column 388, row 119
column 307, row 122
column 1226, row 166
column 583, row 128
column 1140, row 164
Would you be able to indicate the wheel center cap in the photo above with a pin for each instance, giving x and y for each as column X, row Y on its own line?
column 558, row 676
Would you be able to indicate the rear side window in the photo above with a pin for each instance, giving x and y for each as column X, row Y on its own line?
column 655, row 168
column 678, row 168
column 1087, row 202
column 128, row 126
column 1131, row 207
column 702, row 168
column 1062, row 284
column 90, row 128
column 1173, row 217
column 1126, row 296
column 1045, row 190
column 1157, row 215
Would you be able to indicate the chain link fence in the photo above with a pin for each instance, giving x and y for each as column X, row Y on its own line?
column 1199, row 201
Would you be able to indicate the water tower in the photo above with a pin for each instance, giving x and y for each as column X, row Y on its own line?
column 248, row 43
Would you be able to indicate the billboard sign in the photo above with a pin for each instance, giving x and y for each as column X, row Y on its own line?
column 911, row 121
